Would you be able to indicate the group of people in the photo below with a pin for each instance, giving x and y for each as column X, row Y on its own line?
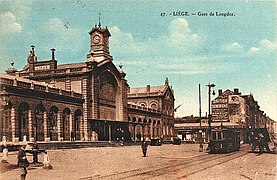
column 259, row 140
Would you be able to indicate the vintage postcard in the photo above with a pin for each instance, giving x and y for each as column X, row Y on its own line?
column 118, row 89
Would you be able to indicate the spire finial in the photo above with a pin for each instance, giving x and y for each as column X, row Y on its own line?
column 120, row 68
column 99, row 25
column 12, row 62
column 166, row 81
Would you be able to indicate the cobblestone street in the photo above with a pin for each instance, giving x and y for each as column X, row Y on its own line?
column 163, row 162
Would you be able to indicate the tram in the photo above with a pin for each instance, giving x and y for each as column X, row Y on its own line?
column 224, row 140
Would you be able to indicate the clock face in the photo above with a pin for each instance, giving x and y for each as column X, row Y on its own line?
column 96, row 39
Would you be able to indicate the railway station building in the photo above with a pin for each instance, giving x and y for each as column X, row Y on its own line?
column 86, row 101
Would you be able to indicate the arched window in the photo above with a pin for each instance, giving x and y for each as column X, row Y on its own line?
column 23, row 116
column 39, row 123
column 145, row 120
column 77, row 124
column 108, row 87
column 66, row 124
column 52, row 123
column 154, row 106
column 134, row 119
column 142, row 104
column 5, row 124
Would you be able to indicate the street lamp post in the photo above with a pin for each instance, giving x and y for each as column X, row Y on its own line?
column 210, row 86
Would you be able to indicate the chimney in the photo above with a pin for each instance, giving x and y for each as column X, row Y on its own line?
column 53, row 53
column 148, row 88
column 220, row 92
column 236, row 91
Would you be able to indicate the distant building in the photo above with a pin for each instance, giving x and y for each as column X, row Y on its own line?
column 89, row 100
column 189, row 128
column 274, row 128
column 160, row 99
column 229, row 109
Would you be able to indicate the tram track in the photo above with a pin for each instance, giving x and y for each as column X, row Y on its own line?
column 186, row 165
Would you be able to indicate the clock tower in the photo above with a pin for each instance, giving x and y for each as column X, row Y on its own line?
column 99, row 44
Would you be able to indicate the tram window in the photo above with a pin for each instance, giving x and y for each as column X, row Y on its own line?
column 214, row 135
column 223, row 135
column 219, row 135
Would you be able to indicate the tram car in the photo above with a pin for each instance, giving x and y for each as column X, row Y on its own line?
column 224, row 140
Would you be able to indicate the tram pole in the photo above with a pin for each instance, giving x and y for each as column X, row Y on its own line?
column 210, row 116
column 200, row 128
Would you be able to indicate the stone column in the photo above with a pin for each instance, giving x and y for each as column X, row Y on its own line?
column 14, row 128
column 82, row 128
column 163, row 130
column 171, row 132
column 70, row 122
column 110, row 133
column 156, row 130
column 59, row 128
column 46, row 138
column 134, row 132
column 94, row 97
column 151, row 130
column 85, row 107
column 30, row 122
column 159, row 130
column 121, row 99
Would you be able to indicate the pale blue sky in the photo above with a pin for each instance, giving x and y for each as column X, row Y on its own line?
column 232, row 52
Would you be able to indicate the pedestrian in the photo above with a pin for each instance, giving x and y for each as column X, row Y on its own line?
column 144, row 147
column 35, row 152
column 253, row 141
column 22, row 162
column 73, row 136
column 264, row 143
column 261, row 143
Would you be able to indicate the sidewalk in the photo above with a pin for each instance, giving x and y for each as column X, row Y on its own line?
column 77, row 163
column 93, row 162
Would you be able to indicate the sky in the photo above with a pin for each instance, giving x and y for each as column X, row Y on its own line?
column 188, row 42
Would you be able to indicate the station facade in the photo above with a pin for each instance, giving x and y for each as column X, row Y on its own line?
column 86, row 101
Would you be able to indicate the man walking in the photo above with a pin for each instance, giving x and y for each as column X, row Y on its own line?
column 22, row 162
column 144, row 147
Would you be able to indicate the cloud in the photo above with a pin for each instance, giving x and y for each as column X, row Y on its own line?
column 178, row 41
column 265, row 46
column 8, row 23
column 179, row 67
column 62, row 33
column 124, row 42
column 254, row 50
column 180, row 34
column 234, row 47
column 20, row 8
